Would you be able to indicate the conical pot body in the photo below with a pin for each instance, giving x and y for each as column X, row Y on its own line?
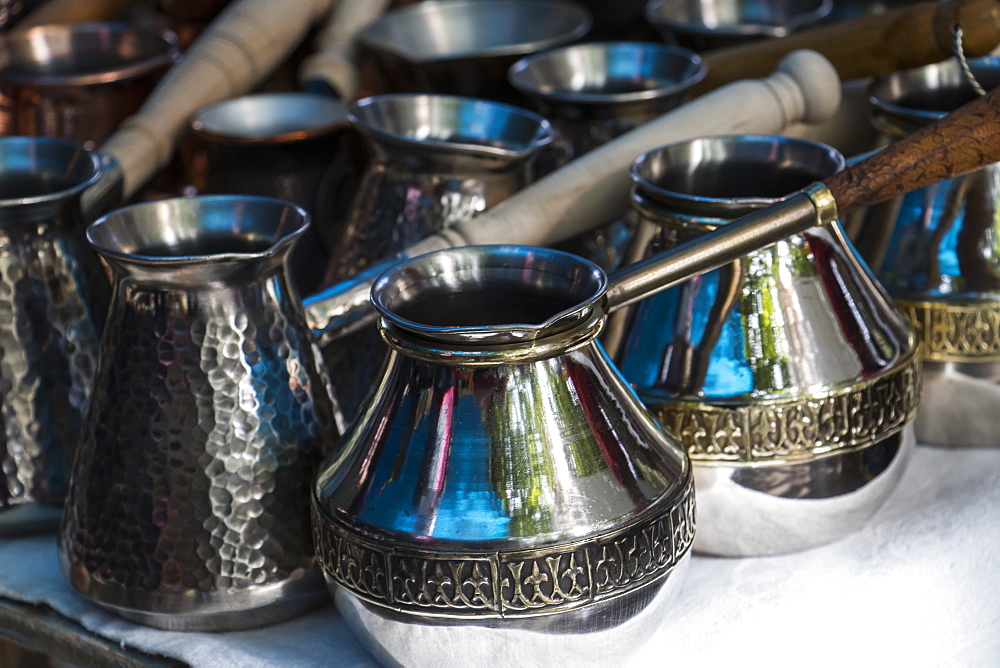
column 53, row 294
column 938, row 255
column 499, row 498
column 210, row 411
column 789, row 374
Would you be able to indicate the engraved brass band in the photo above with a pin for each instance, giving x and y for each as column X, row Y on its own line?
column 509, row 583
column 790, row 431
column 959, row 331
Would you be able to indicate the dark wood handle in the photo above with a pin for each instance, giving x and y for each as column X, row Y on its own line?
column 910, row 36
column 965, row 140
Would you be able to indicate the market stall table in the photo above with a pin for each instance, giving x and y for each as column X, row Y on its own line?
column 920, row 585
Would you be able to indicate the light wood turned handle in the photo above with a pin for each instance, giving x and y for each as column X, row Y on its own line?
column 235, row 53
column 594, row 188
column 335, row 61
column 910, row 36
column 966, row 139
column 74, row 11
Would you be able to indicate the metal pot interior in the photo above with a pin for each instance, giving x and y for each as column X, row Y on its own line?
column 735, row 18
column 732, row 172
column 84, row 53
column 195, row 228
column 608, row 71
column 453, row 123
column 922, row 95
column 451, row 29
column 489, row 294
column 269, row 116
column 34, row 169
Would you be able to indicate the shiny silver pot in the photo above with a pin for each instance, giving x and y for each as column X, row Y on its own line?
column 788, row 375
column 939, row 257
column 503, row 497
column 209, row 413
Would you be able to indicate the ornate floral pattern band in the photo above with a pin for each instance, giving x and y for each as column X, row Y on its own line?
column 788, row 431
column 967, row 331
column 507, row 583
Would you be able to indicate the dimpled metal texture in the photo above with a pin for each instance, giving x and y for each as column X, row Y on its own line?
column 188, row 507
column 52, row 298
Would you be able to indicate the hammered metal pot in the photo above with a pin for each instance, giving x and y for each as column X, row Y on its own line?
column 939, row 257
column 210, row 410
column 435, row 160
column 503, row 497
column 53, row 294
column 596, row 92
column 79, row 81
column 789, row 375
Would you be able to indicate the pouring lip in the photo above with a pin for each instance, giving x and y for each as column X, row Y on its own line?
column 519, row 75
column 509, row 259
column 169, row 56
column 167, row 210
column 71, row 150
column 370, row 36
column 544, row 134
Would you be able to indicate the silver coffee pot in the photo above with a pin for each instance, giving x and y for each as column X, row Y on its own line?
column 53, row 294
column 938, row 254
column 209, row 413
column 788, row 374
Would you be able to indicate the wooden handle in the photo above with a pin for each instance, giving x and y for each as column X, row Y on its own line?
column 966, row 139
column 237, row 51
column 335, row 62
column 594, row 188
column 74, row 11
column 907, row 37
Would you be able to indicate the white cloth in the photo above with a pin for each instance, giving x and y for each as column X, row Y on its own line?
column 918, row 586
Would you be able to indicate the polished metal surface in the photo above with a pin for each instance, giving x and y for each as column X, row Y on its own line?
column 464, row 47
column 505, row 485
column 596, row 92
column 210, row 410
column 939, row 256
column 290, row 146
column 52, row 300
column 710, row 24
column 436, row 160
column 757, row 511
column 784, row 358
column 79, row 81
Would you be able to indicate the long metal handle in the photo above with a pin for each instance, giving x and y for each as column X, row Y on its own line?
column 813, row 206
column 966, row 139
